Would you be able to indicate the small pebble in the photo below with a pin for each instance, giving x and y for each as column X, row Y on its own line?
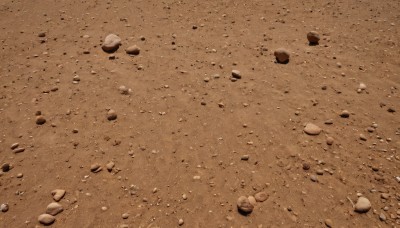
column 58, row 194
column 306, row 166
column 261, row 196
column 111, row 43
column 312, row 129
column 385, row 196
column 5, row 167
column 329, row 140
column 319, row 172
column 245, row 157
column 40, row 120
column 252, row 200
column 363, row 138
column 363, row 205
column 54, row 208
column 95, row 168
column 111, row 115
column 244, row 205
column 382, row 217
column 314, row 178
column 313, row 37
column 328, row 223
column 133, row 50
column 14, row 145
column 236, row 74
column 125, row 215
column 19, row 150
column 282, row 55
column 181, row 222
column 345, row 114
column 46, row 219
column 20, row 175
column 4, row 207
column 110, row 166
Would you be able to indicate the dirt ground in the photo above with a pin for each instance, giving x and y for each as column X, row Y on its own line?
column 188, row 140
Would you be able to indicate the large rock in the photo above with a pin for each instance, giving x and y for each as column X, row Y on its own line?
column 282, row 55
column 46, row 219
column 363, row 205
column 58, row 194
column 111, row 43
column 54, row 208
column 313, row 37
column 244, row 205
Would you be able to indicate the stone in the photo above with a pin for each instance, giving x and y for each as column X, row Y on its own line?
column 245, row 157
column 313, row 37
column 46, row 219
column 58, row 194
column 282, row 55
column 236, row 74
column 180, row 222
column 5, row 167
column 244, row 205
column 306, row 166
column 345, row 114
column 319, row 172
column 20, row 175
column 125, row 215
column 385, row 196
column 382, row 217
column 363, row 138
column 54, row 208
column 14, row 146
column 312, row 129
column 110, row 166
column 329, row 140
column 4, row 207
column 252, row 200
column 124, row 90
column 111, row 43
column 95, row 168
column 40, row 120
column 314, row 178
column 363, row 205
column 328, row 223
column 111, row 115
column 19, row 150
column 261, row 196
column 362, row 86
column 41, row 34
column 133, row 50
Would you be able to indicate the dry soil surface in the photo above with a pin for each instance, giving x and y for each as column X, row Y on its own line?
column 186, row 138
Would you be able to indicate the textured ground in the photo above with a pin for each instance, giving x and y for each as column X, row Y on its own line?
column 174, row 127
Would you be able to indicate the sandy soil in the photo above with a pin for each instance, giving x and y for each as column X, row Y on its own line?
column 188, row 141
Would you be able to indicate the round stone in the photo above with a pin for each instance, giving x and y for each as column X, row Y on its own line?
column 5, row 167
column 312, row 129
column 329, row 140
column 313, row 37
column 111, row 43
column 40, row 120
column 244, row 205
column 125, row 215
column 282, row 55
column 4, row 207
column 181, row 222
column 345, row 114
column 133, row 50
column 111, row 115
column 306, row 166
column 363, row 205
column 252, row 200
column 261, row 196
column 46, row 219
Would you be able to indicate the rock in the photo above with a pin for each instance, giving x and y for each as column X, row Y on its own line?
column 391, row 110
column 41, row 34
column 328, row 223
column 20, row 175
column 319, row 172
column 14, row 145
column 385, row 196
column 110, row 166
column 363, row 205
column 58, row 194
column 111, row 43
column 282, row 55
column 124, row 90
column 54, row 208
column 252, row 200
column 236, row 74
column 306, row 166
column 125, row 215
column 111, row 115
column 19, row 150
column 362, row 86
column 181, row 222
column 133, row 50
column 329, row 140
column 363, row 138
column 382, row 217
column 313, row 37
column 345, row 114
column 244, row 205
column 245, row 157
column 314, row 178
column 4, row 207
column 5, row 167
column 46, row 219
column 95, row 168
column 312, row 129
column 328, row 122
column 40, row 120
column 261, row 196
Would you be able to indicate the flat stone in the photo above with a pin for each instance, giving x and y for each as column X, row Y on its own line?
column 110, row 166
column 95, row 168
column 19, row 150
column 54, row 208
column 363, row 205
column 111, row 43
column 261, row 196
column 244, row 205
column 312, row 129
column 345, row 114
column 46, row 219
column 236, row 74
column 14, row 146
column 58, row 194
column 328, row 223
